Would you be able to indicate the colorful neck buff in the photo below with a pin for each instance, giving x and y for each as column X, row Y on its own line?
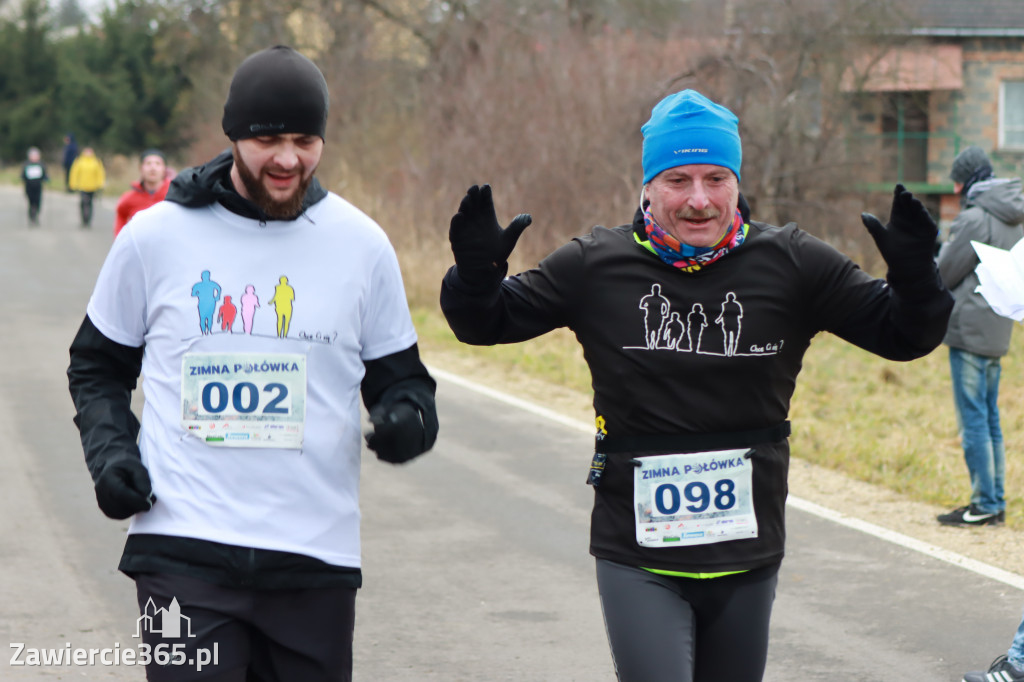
column 692, row 258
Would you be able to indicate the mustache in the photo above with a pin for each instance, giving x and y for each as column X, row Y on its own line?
column 298, row 170
column 695, row 214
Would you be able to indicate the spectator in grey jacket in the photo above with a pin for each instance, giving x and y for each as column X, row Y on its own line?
column 993, row 210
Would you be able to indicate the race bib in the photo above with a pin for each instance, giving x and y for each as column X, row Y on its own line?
column 252, row 400
column 33, row 172
column 694, row 499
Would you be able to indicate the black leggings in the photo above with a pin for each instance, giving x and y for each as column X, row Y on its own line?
column 35, row 200
column 669, row 629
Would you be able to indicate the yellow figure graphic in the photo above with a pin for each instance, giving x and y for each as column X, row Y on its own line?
column 282, row 301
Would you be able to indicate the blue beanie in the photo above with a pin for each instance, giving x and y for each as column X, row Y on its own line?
column 687, row 128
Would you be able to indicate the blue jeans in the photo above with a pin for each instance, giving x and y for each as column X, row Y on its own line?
column 975, row 391
column 1016, row 653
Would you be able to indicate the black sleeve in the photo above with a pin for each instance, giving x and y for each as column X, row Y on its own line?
column 101, row 377
column 899, row 327
column 402, row 376
column 895, row 320
column 516, row 308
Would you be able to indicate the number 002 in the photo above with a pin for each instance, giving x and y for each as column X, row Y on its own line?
column 244, row 398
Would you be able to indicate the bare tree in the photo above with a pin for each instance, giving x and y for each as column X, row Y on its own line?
column 545, row 99
column 786, row 73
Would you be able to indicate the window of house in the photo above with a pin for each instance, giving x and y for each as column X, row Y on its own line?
column 905, row 136
column 1011, row 115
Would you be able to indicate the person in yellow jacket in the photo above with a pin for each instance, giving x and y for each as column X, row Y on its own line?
column 87, row 177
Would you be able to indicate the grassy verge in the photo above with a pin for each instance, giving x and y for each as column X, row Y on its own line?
column 890, row 424
column 10, row 175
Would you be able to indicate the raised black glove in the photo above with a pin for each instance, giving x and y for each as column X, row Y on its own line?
column 907, row 242
column 123, row 488
column 398, row 433
column 480, row 245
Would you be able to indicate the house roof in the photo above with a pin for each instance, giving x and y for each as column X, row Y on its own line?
column 954, row 18
column 906, row 68
column 965, row 17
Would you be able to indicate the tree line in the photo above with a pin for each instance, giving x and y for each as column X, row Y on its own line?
column 542, row 98
column 105, row 80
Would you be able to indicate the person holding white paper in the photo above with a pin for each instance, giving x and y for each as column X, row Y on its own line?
column 993, row 210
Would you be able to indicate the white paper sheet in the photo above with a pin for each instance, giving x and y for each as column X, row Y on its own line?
column 1001, row 277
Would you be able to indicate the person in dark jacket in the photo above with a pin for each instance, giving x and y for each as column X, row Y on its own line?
column 993, row 210
column 691, row 450
column 33, row 175
column 69, row 155
column 242, row 483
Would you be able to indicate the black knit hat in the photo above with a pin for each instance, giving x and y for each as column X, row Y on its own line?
column 967, row 163
column 276, row 91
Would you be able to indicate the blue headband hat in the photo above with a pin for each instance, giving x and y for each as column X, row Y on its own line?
column 687, row 128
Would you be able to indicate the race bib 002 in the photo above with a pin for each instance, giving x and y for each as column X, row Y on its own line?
column 694, row 499
column 244, row 399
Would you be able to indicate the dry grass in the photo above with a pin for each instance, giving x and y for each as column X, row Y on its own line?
column 893, row 424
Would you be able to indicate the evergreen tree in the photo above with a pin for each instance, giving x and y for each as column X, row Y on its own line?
column 69, row 15
column 29, row 77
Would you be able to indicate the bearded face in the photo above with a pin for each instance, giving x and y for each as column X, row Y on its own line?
column 275, row 171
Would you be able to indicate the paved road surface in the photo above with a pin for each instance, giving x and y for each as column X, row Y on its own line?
column 476, row 564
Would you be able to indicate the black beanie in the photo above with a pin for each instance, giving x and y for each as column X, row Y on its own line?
column 276, row 91
column 967, row 163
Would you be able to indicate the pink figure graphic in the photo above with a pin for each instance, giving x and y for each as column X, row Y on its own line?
column 226, row 316
column 250, row 302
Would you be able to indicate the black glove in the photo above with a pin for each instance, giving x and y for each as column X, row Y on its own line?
column 398, row 433
column 907, row 242
column 123, row 488
column 481, row 247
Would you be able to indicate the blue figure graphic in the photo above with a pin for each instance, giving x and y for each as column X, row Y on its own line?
column 208, row 293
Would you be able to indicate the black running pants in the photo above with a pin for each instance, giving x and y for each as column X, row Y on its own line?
column 671, row 629
column 300, row 635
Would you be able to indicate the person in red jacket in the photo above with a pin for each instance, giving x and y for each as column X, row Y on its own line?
column 150, row 188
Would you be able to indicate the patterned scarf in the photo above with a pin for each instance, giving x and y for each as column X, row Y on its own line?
column 692, row 258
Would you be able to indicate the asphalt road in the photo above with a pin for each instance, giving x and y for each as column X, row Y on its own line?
column 475, row 556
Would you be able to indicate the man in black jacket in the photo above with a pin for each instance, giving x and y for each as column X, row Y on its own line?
column 694, row 321
column 242, row 483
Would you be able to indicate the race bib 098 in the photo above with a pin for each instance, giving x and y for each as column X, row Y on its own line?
column 694, row 499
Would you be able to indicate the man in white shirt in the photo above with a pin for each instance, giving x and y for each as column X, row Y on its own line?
column 243, row 485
